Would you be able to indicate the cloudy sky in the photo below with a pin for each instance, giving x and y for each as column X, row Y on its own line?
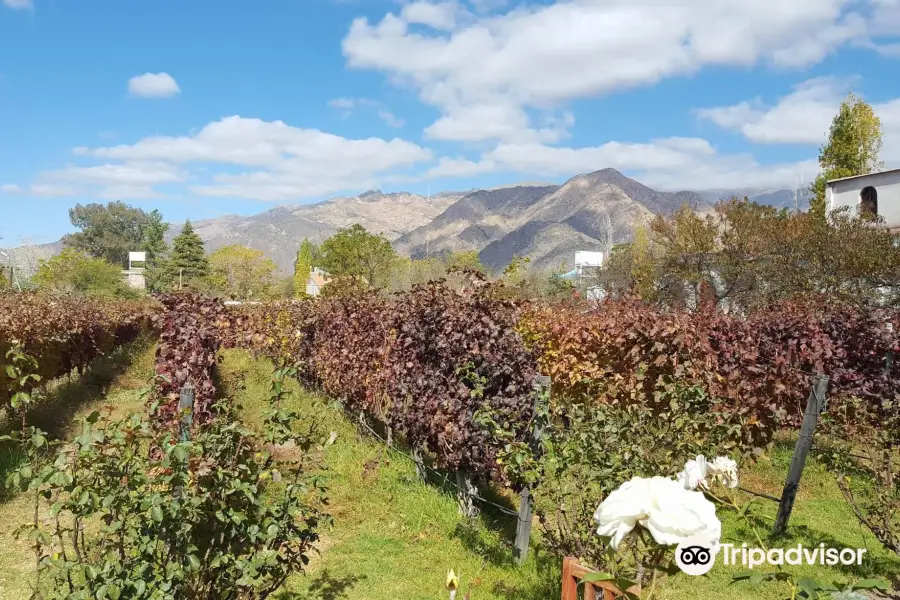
column 204, row 108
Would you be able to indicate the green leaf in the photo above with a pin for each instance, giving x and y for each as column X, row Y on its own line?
column 594, row 577
column 156, row 514
column 869, row 584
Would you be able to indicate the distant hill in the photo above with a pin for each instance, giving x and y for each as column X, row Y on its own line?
column 279, row 231
column 546, row 222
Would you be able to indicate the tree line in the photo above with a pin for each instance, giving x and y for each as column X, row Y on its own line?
column 93, row 258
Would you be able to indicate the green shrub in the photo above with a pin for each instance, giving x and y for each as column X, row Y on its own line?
column 217, row 517
column 589, row 450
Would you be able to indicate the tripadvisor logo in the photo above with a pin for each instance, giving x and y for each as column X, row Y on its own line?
column 697, row 556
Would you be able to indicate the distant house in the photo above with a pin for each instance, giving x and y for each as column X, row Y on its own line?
column 134, row 274
column 587, row 269
column 316, row 281
column 873, row 194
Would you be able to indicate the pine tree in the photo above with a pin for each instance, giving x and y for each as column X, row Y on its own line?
column 188, row 262
column 155, row 246
column 854, row 142
column 303, row 267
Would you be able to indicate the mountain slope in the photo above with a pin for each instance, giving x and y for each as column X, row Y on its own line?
column 473, row 221
column 279, row 231
column 546, row 223
column 588, row 212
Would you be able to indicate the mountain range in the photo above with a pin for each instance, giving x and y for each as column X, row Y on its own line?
column 546, row 222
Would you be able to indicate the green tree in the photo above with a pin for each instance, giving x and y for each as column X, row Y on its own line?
column 241, row 273
column 354, row 252
column 643, row 265
column 188, row 263
column 464, row 259
column 303, row 266
column 74, row 271
column 109, row 232
column 155, row 246
column 854, row 142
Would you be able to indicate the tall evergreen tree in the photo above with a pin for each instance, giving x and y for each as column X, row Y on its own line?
column 854, row 142
column 155, row 246
column 188, row 262
column 303, row 267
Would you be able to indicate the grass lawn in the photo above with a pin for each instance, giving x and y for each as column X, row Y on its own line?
column 394, row 537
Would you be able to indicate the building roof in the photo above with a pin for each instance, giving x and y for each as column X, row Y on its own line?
column 860, row 176
column 317, row 278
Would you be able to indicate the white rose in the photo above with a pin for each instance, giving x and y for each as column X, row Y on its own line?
column 676, row 514
column 694, row 474
column 725, row 470
column 620, row 512
column 662, row 506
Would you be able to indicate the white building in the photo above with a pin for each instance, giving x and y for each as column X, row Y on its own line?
column 134, row 274
column 316, row 281
column 587, row 262
column 876, row 193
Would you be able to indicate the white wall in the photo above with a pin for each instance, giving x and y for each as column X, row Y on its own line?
column 887, row 184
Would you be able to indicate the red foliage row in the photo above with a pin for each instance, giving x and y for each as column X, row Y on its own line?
column 64, row 333
column 188, row 345
column 760, row 367
column 422, row 362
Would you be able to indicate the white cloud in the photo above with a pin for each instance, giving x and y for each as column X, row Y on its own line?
column 541, row 56
column 803, row 117
column 460, row 167
column 153, row 85
column 347, row 106
column 283, row 162
column 10, row 188
column 440, row 15
column 18, row 4
column 667, row 164
column 56, row 191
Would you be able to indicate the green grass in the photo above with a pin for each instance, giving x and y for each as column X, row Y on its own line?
column 394, row 537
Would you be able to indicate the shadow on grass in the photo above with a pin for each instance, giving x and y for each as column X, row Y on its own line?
column 548, row 584
column 60, row 400
column 68, row 394
column 324, row 587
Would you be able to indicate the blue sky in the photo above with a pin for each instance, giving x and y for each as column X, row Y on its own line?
column 205, row 108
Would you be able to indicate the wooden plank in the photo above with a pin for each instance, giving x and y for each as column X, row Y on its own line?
column 573, row 572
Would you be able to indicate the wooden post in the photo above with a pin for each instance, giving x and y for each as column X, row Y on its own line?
column 465, row 489
column 420, row 464
column 523, row 526
column 186, row 410
column 526, row 500
column 814, row 406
